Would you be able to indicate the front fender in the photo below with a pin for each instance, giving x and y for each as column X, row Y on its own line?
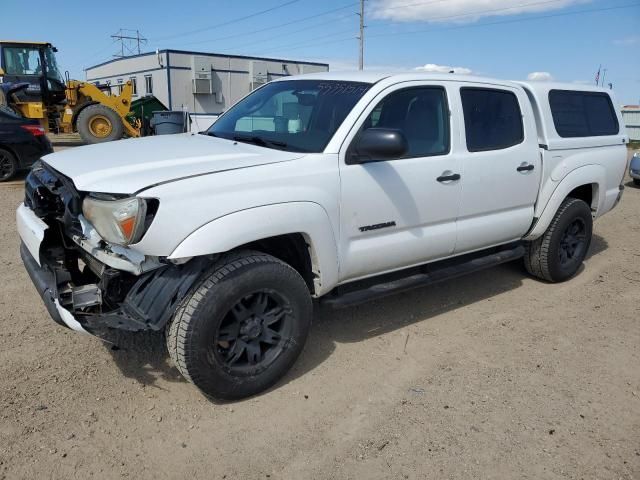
column 245, row 226
column 557, row 192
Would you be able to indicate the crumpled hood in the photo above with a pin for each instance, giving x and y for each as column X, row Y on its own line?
column 127, row 166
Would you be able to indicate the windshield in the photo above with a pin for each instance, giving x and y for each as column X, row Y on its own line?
column 292, row 115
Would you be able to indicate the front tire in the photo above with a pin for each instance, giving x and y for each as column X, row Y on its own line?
column 636, row 182
column 558, row 254
column 8, row 165
column 242, row 329
column 99, row 123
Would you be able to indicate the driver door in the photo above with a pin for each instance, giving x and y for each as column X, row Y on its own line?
column 402, row 212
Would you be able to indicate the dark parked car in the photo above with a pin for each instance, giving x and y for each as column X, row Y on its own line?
column 22, row 141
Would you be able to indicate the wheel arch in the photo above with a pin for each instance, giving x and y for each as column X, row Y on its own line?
column 585, row 183
column 299, row 233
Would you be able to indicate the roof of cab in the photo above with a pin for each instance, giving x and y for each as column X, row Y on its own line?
column 376, row 76
column 538, row 88
column 22, row 42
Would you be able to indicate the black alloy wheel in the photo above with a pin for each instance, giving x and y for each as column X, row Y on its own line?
column 573, row 242
column 254, row 333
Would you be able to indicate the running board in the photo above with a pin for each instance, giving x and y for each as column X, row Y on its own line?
column 437, row 272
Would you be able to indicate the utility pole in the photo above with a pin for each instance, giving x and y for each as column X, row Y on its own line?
column 604, row 74
column 361, row 37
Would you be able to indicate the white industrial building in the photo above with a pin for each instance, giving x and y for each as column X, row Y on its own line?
column 631, row 117
column 204, row 84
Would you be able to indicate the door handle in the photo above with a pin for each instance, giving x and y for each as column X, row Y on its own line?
column 448, row 178
column 525, row 167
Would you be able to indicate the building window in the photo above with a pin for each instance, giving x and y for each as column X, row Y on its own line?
column 148, row 84
column 134, row 85
column 583, row 114
column 492, row 119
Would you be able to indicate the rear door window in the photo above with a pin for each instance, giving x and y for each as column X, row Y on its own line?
column 583, row 114
column 492, row 119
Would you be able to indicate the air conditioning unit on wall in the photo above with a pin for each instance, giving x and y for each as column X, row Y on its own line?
column 259, row 74
column 202, row 83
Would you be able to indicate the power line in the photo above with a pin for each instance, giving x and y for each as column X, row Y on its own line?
column 80, row 63
column 361, row 15
column 285, row 34
column 292, row 22
column 309, row 41
column 320, row 44
column 486, row 24
column 229, row 22
column 281, row 25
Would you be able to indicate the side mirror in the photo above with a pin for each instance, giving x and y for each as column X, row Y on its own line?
column 378, row 145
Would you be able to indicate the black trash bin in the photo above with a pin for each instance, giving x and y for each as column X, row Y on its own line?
column 170, row 122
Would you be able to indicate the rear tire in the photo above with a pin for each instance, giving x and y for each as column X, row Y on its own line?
column 99, row 124
column 636, row 182
column 8, row 165
column 557, row 255
column 243, row 327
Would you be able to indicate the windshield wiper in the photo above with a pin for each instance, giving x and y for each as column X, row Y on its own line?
column 262, row 142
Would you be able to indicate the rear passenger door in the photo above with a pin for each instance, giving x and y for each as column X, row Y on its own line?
column 501, row 169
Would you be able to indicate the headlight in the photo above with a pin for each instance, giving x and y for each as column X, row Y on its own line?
column 117, row 221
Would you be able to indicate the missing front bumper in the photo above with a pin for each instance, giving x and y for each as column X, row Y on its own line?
column 44, row 281
column 148, row 303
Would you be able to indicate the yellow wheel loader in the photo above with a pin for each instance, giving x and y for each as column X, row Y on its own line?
column 63, row 105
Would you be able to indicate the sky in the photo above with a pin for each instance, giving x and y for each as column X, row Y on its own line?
column 563, row 40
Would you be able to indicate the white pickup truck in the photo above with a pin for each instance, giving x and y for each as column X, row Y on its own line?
column 339, row 187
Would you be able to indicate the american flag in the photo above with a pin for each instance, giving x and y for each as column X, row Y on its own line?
column 598, row 75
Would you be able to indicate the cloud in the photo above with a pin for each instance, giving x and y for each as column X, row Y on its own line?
column 540, row 76
column 432, row 67
column 627, row 41
column 459, row 11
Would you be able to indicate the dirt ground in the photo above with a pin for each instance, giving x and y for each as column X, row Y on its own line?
column 494, row 376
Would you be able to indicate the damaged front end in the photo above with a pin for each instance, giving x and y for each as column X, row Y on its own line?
column 85, row 282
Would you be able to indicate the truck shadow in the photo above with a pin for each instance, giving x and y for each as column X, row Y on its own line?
column 392, row 313
column 143, row 356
